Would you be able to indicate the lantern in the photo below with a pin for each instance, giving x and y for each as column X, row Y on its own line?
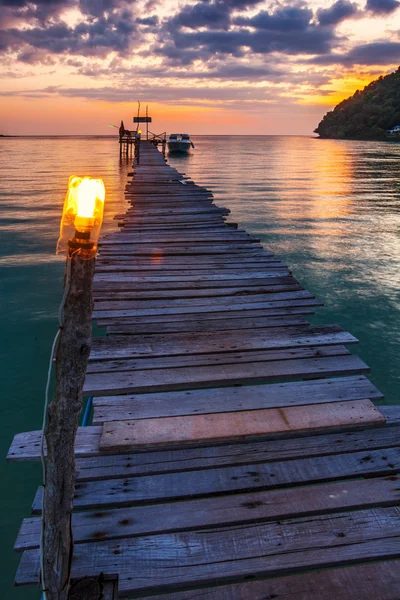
column 82, row 216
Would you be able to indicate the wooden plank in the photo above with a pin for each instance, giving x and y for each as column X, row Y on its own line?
column 392, row 413
column 208, row 316
column 26, row 446
column 260, row 261
column 227, row 341
column 249, row 286
column 125, row 238
column 191, row 308
column 174, row 561
column 220, row 276
column 203, row 261
column 118, row 466
column 216, row 427
column 372, row 581
column 221, row 511
column 214, row 358
column 164, row 380
column 199, row 244
column 146, row 280
column 230, row 236
column 171, row 293
column 131, row 213
column 178, row 249
column 142, row 293
column 166, row 487
column 206, row 325
column 169, row 404
column 216, row 303
column 93, row 465
column 161, row 227
column 108, row 266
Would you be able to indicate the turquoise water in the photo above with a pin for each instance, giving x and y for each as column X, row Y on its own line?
column 330, row 209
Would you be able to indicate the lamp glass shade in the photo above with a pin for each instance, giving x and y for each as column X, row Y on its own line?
column 82, row 213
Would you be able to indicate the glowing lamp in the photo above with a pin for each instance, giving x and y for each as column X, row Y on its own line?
column 82, row 216
column 139, row 131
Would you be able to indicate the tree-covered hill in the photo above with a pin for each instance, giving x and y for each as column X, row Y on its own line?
column 368, row 114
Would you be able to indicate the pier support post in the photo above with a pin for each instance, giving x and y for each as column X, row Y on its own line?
column 71, row 360
column 80, row 230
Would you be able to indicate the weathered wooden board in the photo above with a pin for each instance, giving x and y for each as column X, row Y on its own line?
column 230, row 286
column 202, row 360
column 201, row 428
column 127, row 239
column 215, row 303
column 160, row 227
column 100, row 467
column 108, row 266
column 142, row 293
column 198, row 309
column 374, row 581
column 131, row 213
column 189, row 307
column 227, row 341
column 94, row 465
column 218, row 511
column 204, row 261
column 163, row 380
column 175, row 561
column 234, row 278
column 205, row 275
column 209, row 316
column 206, row 325
column 173, row 486
column 26, row 446
column 177, row 249
column 169, row 404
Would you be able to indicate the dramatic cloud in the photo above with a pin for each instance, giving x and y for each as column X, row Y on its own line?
column 165, row 94
column 202, row 14
column 239, row 4
column 341, row 10
column 381, row 7
column 39, row 10
column 151, row 21
column 376, row 53
column 287, row 30
column 106, row 25
column 290, row 18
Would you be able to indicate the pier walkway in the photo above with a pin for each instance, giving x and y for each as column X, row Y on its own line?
column 235, row 452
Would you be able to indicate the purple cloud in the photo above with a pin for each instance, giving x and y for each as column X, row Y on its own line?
column 382, row 7
column 338, row 12
column 375, row 53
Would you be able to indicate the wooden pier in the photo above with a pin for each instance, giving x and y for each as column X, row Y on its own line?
column 235, row 452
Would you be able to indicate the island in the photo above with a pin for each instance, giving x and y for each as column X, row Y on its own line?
column 370, row 114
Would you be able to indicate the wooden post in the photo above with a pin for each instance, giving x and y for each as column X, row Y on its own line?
column 71, row 360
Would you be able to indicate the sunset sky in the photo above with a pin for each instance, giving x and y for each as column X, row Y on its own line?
column 208, row 66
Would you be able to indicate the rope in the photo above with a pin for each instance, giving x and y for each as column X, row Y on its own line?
column 46, row 403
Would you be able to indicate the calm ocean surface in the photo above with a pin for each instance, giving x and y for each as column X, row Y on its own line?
column 329, row 209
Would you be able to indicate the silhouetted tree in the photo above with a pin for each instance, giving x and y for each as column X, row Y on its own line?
column 367, row 114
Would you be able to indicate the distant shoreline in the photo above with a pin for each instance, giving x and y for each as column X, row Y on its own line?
column 106, row 136
column 359, row 139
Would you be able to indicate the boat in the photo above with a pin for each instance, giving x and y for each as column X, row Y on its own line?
column 179, row 142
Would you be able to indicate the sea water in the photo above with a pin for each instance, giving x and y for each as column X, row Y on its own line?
column 330, row 209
